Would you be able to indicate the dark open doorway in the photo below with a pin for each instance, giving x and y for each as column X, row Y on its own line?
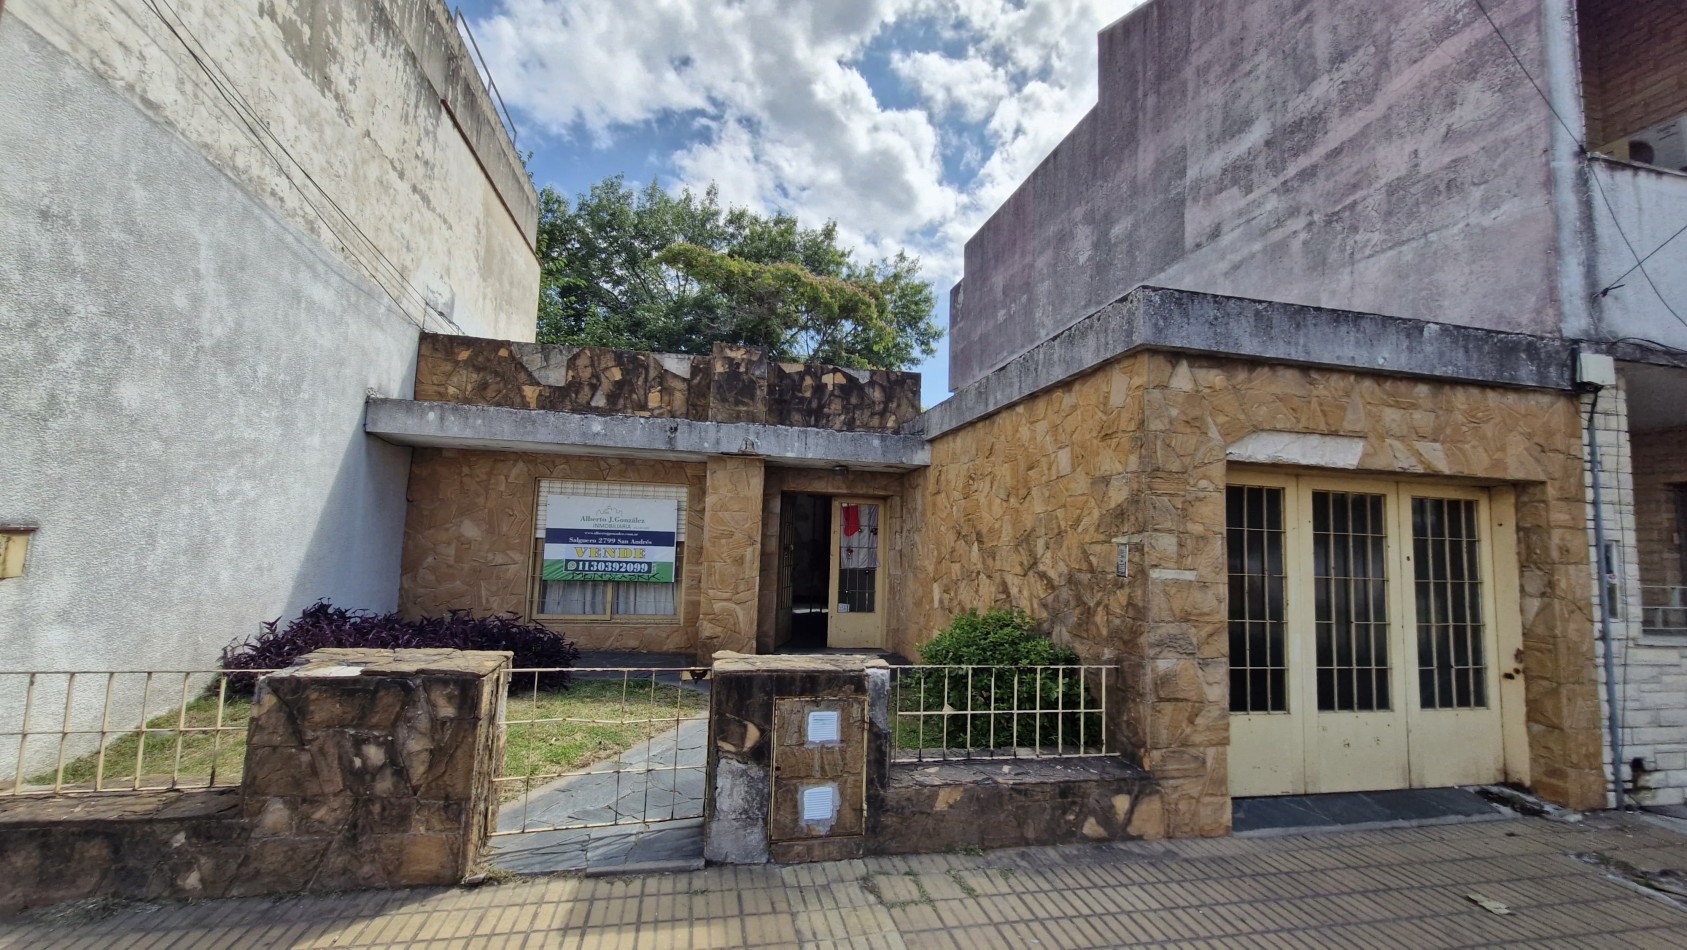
column 805, row 533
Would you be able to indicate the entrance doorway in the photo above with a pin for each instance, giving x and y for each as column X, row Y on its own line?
column 831, row 585
column 1365, row 635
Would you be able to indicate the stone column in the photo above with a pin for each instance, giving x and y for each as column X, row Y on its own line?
column 731, row 553
column 371, row 768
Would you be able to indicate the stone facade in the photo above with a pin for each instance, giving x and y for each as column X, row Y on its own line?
column 1024, row 508
column 731, row 555
column 469, row 539
column 733, row 384
column 364, row 769
column 372, row 768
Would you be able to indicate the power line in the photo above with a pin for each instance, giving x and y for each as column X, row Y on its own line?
column 1639, row 262
column 248, row 117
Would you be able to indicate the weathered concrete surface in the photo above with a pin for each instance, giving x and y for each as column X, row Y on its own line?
column 952, row 806
column 1646, row 207
column 1325, row 153
column 448, row 425
column 383, row 108
column 1158, row 318
column 183, row 374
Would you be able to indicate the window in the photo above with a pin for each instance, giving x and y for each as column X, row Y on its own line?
column 1254, row 548
column 1452, row 670
column 604, row 599
column 1349, row 539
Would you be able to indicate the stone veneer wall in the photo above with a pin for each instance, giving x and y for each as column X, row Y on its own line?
column 468, row 538
column 733, row 384
column 1022, row 508
column 731, row 555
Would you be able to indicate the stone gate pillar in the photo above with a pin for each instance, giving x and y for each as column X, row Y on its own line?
column 372, row 768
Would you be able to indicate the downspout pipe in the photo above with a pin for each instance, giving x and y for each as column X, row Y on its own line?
column 1613, row 717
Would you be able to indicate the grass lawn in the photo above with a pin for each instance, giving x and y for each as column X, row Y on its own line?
column 594, row 720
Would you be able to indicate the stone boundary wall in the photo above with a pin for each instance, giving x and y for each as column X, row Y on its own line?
column 760, row 763
column 733, row 384
column 364, row 769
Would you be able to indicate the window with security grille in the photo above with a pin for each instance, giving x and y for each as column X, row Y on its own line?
column 1254, row 551
column 1452, row 670
column 599, row 599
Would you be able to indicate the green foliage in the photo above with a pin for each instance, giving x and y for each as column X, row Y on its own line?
column 999, row 637
column 650, row 270
column 1010, row 675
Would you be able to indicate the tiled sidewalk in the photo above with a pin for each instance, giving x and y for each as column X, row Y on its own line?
column 1355, row 889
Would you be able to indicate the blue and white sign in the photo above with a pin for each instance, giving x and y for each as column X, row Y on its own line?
column 610, row 539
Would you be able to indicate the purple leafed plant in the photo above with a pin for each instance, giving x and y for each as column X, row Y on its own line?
column 323, row 626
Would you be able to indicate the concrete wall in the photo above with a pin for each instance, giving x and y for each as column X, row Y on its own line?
column 381, row 107
column 187, row 351
column 1637, row 209
column 1384, row 157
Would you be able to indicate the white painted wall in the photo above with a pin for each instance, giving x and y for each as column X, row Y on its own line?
column 1646, row 207
column 185, row 349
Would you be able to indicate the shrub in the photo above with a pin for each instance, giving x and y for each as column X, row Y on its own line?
column 1006, row 641
column 322, row 626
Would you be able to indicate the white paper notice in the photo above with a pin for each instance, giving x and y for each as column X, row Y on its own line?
column 823, row 726
column 820, row 803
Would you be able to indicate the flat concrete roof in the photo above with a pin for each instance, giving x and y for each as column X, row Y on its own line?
column 1155, row 318
column 502, row 429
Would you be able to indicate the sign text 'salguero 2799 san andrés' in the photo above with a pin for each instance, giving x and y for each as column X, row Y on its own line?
column 610, row 539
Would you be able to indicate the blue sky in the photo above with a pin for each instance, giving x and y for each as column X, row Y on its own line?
column 906, row 121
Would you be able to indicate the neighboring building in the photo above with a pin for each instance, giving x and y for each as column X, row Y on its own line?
column 1395, row 158
column 222, row 226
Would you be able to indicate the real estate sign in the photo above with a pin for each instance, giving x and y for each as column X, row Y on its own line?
column 610, row 539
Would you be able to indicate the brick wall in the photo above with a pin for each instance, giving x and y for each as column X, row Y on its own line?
column 1651, row 670
column 1633, row 72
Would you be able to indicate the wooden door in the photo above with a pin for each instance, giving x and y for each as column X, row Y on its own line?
column 857, row 577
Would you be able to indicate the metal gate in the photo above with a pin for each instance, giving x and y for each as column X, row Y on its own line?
column 598, row 747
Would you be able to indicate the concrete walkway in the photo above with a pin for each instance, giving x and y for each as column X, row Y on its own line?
column 665, row 781
column 1397, row 888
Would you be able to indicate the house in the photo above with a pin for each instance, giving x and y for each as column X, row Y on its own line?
column 1311, row 381
column 223, row 226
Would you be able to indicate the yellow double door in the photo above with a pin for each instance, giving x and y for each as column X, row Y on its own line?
column 1366, row 635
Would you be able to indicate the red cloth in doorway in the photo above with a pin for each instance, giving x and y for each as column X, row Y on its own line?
column 851, row 520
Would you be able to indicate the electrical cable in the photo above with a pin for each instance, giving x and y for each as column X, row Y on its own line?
column 248, row 117
column 1639, row 262
column 255, row 124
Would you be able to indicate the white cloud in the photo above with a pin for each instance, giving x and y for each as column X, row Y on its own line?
column 785, row 119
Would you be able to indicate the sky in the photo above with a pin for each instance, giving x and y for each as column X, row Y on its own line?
column 908, row 122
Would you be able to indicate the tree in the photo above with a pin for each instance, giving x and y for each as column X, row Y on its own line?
column 650, row 270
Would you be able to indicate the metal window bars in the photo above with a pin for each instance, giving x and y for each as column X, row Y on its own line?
column 945, row 713
column 616, row 746
column 73, row 732
column 1663, row 610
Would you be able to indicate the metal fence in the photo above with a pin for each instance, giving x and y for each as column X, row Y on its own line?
column 616, row 746
column 999, row 712
column 1663, row 609
column 93, row 731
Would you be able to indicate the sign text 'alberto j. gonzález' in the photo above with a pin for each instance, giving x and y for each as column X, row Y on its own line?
column 610, row 539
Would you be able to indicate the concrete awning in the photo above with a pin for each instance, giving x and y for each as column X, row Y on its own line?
column 500, row 429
